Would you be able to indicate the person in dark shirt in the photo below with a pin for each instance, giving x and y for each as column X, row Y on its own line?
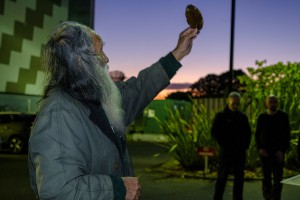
column 272, row 140
column 232, row 132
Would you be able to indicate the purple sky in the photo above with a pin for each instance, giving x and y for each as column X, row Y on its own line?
column 138, row 32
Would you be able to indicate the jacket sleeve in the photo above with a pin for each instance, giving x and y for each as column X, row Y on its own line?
column 59, row 150
column 286, row 133
column 138, row 92
column 216, row 129
column 247, row 132
column 258, row 132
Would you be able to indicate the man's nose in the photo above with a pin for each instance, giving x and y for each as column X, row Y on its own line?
column 105, row 58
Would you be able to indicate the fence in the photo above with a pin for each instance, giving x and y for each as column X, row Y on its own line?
column 212, row 105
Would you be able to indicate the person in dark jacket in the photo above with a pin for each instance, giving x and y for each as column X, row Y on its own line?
column 272, row 140
column 77, row 149
column 232, row 132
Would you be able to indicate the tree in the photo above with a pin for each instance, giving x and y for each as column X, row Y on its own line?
column 186, row 96
column 216, row 86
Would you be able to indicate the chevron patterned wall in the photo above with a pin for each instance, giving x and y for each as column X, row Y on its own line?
column 25, row 26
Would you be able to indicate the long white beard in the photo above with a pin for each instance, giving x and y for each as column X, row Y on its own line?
column 111, row 100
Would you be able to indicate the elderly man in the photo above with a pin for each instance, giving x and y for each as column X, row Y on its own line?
column 77, row 149
column 232, row 132
column 272, row 140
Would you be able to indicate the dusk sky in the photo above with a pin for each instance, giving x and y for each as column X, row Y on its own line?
column 138, row 32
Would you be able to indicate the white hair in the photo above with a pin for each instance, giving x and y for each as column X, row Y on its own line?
column 234, row 95
column 111, row 100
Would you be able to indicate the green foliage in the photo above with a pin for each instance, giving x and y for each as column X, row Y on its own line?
column 282, row 80
column 186, row 134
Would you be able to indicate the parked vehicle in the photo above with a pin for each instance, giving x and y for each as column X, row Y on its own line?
column 15, row 128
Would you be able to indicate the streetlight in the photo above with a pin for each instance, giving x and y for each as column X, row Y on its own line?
column 231, row 72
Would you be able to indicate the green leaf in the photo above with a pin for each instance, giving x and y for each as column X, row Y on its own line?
column 173, row 148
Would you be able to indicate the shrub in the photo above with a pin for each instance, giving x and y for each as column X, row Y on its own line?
column 187, row 134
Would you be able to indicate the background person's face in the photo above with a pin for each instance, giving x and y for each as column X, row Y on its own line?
column 272, row 103
column 233, row 103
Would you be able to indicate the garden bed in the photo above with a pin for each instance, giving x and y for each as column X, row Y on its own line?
column 172, row 168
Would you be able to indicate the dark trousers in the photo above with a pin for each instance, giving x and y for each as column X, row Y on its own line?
column 270, row 166
column 235, row 163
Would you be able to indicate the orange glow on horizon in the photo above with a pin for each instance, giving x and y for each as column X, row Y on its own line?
column 164, row 93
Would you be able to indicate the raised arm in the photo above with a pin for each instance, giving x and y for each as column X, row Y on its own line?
column 138, row 92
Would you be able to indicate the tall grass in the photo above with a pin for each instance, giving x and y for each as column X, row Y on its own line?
column 186, row 134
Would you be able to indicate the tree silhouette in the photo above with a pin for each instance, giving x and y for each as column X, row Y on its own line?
column 213, row 85
column 186, row 96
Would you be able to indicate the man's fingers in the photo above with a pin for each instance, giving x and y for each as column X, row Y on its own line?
column 186, row 32
column 138, row 194
column 189, row 32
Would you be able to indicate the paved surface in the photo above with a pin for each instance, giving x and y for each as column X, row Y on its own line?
column 14, row 181
column 157, row 186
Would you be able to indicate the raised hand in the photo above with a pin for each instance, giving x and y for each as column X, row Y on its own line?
column 185, row 43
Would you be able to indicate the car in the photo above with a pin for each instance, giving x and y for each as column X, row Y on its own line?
column 15, row 129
